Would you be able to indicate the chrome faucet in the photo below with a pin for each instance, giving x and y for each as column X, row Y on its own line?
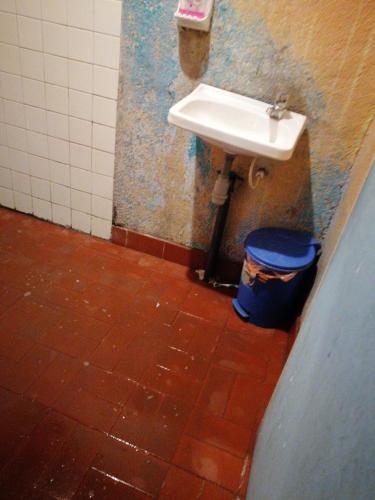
column 278, row 108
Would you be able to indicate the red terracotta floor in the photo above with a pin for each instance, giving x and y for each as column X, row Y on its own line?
column 120, row 376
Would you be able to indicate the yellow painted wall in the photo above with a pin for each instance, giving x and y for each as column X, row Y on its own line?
column 321, row 52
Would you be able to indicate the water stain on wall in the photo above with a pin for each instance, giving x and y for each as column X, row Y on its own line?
column 320, row 52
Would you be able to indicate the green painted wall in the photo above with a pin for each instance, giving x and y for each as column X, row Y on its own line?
column 320, row 52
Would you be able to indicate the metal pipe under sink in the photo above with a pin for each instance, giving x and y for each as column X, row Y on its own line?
column 227, row 178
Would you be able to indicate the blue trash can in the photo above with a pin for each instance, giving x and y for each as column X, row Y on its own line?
column 274, row 275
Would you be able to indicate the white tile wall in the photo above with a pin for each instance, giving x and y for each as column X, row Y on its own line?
column 59, row 63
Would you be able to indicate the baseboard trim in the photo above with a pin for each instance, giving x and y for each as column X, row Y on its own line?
column 173, row 252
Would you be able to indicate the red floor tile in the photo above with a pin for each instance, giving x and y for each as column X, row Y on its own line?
column 140, row 355
column 195, row 335
column 212, row 491
column 178, row 361
column 105, row 385
column 87, row 408
column 111, row 349
column 49, row 386
column 209, row 463
column 99, row 485
column 216, row 390
column 152, row 422
column 220, row 433
column 14, row 347
column 177, row 385
column 240, row 361
column 69, row 466
column 18, row 376
column 18, row 419
column 248, row 400
column 134, row 467
column 29, row 318
column 8, row 296
column 117, row 368
column 21, row 474
column 208, row 304
column 182, row 485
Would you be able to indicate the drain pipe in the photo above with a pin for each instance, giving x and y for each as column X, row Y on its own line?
column 221, row 196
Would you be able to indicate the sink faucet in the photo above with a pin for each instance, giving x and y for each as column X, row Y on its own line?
column 278, row 108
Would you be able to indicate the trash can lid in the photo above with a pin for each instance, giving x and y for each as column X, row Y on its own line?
column 282, row 249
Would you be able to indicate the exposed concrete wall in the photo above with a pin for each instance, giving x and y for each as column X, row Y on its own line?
column 321, row 52
column 317, row 440
column 357, row 179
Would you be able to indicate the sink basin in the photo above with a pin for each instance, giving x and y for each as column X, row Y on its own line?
column 237, row 124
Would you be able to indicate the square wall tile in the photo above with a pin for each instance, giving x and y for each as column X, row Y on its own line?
column 30, row 33
column 60, row 194
column 57, row 99
column 105, row 82
column 4, row 156
column 8, row 5
column 42, row 209
column 55, row 39
column 59, row 173
column 80, row 201
column 11, row 87
column 18, row 160
column 3, row 134
column 41, row 188
column 5, row 178
column 36, row 119
column 80, row 76
column 10, row 59
column 39, row 167
column 80, row 131
column 102, row 186
column 29, row 8
column 101, row 207
column 81, row 44
column 103, row 163
column 21, row 182
column 55, row 11
column 8, row 28
column 107, row 50
column 37, row 144
column 81, row 179
column 81, row 14
column 7, row 198
column 104, row 138
column 33, row 92
column 80, row 156
column 14, row 113
column 32, row 64
column 58, row 125
column 80, row 104
column 107, row 16
column 101, row 228
column 104, row 111
column 56, row 70
column 23, row 202
column 80, row 221
column 58, row 150
column 16, row 137
column 61, row 215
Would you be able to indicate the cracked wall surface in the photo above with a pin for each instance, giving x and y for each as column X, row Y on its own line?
column 321, row 53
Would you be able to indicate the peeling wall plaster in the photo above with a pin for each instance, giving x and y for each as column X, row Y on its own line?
column 321, row 52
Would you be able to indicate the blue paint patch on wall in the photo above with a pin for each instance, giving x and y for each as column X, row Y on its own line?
column 201, row 152
column 167, row 173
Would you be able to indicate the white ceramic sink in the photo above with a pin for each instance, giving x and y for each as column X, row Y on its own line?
column 237, row 124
